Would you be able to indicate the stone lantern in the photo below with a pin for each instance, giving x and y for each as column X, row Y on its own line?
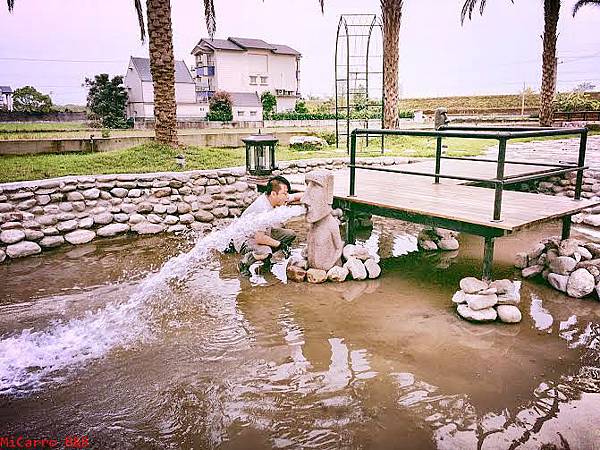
column 260, row 154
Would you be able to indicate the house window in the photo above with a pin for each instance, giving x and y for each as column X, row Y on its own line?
column 252, row 79
column 240, row 113
column 252, row 113
column 263, row 80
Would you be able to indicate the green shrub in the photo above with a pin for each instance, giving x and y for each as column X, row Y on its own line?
column 105, row 133
column 269, row 103
column 220, row 107
column 327, row 136
column 300, row 107
column 575, row 101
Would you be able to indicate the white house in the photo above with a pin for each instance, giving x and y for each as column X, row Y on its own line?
column 6, row 98
column 140, row 90
column 247, row 66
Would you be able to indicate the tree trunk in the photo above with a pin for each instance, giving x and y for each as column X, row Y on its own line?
column 392, row 13
column 162, row 67
column 551, row 14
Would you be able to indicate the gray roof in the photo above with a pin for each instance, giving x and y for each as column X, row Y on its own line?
column 241, row 44
column 5, row 90
column 245, row 99
column 142, row 65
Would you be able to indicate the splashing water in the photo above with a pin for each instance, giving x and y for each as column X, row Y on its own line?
column 32, row 358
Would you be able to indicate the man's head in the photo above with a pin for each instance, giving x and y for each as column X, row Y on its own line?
column 277, row 191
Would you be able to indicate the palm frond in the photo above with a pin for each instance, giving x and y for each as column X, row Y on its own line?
column 11, row 5
column 210, row 17
column 140, row 14
column 581, row 3
column 322, row 3
column 467, row 10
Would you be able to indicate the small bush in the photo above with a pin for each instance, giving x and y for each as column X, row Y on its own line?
column 575, row 101
column 220, row 107
column 269, row 103
column 327, row 136
column 300, row 107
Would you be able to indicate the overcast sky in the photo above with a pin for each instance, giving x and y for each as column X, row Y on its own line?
column 54, row 44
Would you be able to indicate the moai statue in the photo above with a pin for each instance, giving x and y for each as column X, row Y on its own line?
column 441, row 118
column 324, row 243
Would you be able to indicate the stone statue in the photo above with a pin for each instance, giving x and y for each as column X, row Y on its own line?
column 441, row 118
column 324, row 242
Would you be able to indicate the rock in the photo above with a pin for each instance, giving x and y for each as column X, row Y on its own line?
column 86, row 222
column 567, row 247
column 580, row 284
column 91, row 194
column 502, row 286
column 477, row 302
column 80, row 237
column 176, row 228
column 145, row 207
column 12, row 236
column 186, row 219
column 361, row 253
column 448, row 244
column 43, row 199
column 592, row 219
column 521, row 260
column 445, row 234
column 2, row 255
column 220, row 212
column 203, row 216
column 536, row 251
column 459, row 297
column 593, row 248
column 22, row 249
column 295, row 273
column 147, row 228
column 532, row 271
column 299, row 261
column 160, row 209
column 50, row 231
column 136, row 218
column 74, row 196
column 373, row 269
column 488, row 291
column 356, row 268
column 103, row 218
column 428, row 245
column 563, row 265
column 184, row 208
column 154, row 218
column 119, row 192
column 348, row 251
column 558, row 282
column 316, row 276
column 170, row 220
column 52, row 241
column 471, row 285
column 307, row 142
column 33, row 235
column 509, row 314
column 121, row 217
column 66, row 226
column 338, row 274
column 585, row 253
column 112, row 230
column 482, row 315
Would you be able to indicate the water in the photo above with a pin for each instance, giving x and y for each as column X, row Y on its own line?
column 183, row 353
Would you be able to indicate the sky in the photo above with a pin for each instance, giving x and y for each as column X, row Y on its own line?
column 55, row 44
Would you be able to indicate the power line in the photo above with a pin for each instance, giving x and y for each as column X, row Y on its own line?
column 109, row 61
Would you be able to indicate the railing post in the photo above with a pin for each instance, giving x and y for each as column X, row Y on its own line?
column 352, row 163
column 438, row 157
column 580, row 163
column 499, row 176
column 488, row 258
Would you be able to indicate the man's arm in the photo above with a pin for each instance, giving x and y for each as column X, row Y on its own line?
column 295, row 197
column 263, row 239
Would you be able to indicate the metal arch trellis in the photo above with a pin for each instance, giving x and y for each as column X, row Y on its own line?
column 358, row 60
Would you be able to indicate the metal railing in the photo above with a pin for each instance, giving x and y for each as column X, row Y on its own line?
column 502, row 135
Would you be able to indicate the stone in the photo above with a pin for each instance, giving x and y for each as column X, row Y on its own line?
column 75, row 196
column 134, row 193
column 43, row 199
column 316, row 276
column 184, row 208
column 26, row 204
column 80, row 237
column 295, row 273
column 103, row 218
column 428, row 245
column 509, row 314
column 66, row 226
column 592, row 220
column 33, row 235
column 203, row 216
column 147, row 228
column 52, row 241
column 585, row 253
column 91, row 194
column 356, row 268
column 112, row 230
column 2, row 255
column 459, row 297
column 448, row 244
column 563, row 265
column 186, row 219
column 79, row 206
column 348, row 251
column 170, row 220
column 580, row 284
column 536, row 251
column 6, row 207
column 482, row 315
column 567, row 247
column 502, row 286
column 532, row 271
column 444, row 233
column 119, row 192
column 160, row 209
column 10, row 225
column 477, row 302
column 22, row 249
column 360, row 252
column 161, row 192
column 472, row 285
column 145, row 207
column 337, row 274
column 373, row 269
column 593, row 248
column 488, row 291
column 50, row 231
column 558, row 282
column 176, row 228
column 12, row 236
column 220, row 212
column 65, row 216
column 154, row 218
column 136, row 218
column 521, row 260
column 86, row 222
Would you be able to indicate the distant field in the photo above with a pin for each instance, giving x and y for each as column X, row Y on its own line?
column 29, row 127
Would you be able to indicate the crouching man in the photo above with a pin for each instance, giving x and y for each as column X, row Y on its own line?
column 262, row 245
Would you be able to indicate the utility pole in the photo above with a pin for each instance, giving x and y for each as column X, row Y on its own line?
column 523, row 101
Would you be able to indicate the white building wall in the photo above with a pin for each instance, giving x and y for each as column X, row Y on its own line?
column 184, row 110
column 231, row 72
column 248, row 113
column 133, row 83
column 283, row 72
column 286, row 104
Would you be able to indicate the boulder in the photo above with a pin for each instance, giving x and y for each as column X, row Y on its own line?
column 580, row 284
column 361, row 253
column 80, row 237
column 585, row 253
column 12, row 236
column 567, row 247
column 536, row 251
column 428, row 245
column 521, row 260
column 307, row 143
column 33, row 235
column 532, row 271
column 22, row 249
column 2, row 255
column 558, row 282
column 502, row 286
column 316, row 276
column 482, row 315
column 68, row 225
column 112, row 230
column 509, row 314
column 348, row 251
column 356, row 268
column 373, row 269
column 86, row 222
column 337, row 273
column 472, row 285
column 477, row 302
column 298, row 261
column 593, row 248
column 52, row 241
column 103, row 218
column 459, row 297
column 563, row 265
column 147, row 228
column 448, row 244
column 295, row 273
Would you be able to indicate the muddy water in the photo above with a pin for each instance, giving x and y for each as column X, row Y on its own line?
column 223, row 362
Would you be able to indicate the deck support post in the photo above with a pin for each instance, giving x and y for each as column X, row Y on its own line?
column 566, row 227
column 350, row 225
column 488, row 258
column 438, row 158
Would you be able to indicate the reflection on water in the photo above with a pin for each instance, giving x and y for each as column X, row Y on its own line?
column 376, row 364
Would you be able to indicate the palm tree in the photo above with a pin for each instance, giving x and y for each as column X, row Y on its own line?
column 162, row 61
column 548, row 89
column 581, row 3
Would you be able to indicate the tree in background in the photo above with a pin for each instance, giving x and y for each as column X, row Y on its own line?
column 29, row 100
column 300, row 107
column 269, row 103
column 220, row 105
column 581, row 3
column 584, row 87
column 107, row 100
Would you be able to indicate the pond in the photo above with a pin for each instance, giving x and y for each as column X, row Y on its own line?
column 214, row 360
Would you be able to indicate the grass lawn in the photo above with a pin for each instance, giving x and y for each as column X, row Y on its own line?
column 17, row 127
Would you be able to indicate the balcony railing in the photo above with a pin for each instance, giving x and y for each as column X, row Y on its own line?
column 205, row 71
column 204, row 96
